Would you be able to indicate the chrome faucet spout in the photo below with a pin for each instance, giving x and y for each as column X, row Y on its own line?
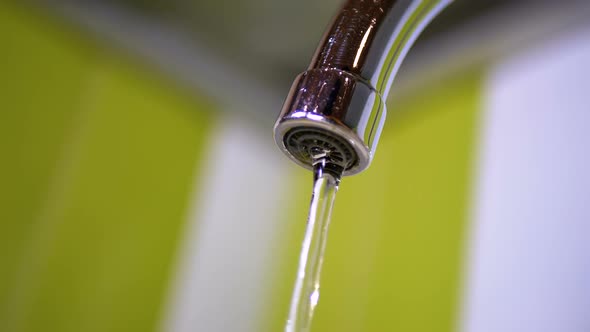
column 338, row 104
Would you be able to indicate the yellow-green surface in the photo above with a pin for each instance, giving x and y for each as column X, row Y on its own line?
column 395, row 247
column 98, row 160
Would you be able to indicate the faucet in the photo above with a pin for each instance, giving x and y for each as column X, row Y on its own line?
column 336, row 108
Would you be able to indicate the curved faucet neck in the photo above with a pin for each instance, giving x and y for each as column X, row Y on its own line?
column 370, row 38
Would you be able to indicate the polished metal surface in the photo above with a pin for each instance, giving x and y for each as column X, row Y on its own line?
column 343, row 91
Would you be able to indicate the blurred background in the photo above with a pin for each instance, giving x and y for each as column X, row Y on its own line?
column 141, row 190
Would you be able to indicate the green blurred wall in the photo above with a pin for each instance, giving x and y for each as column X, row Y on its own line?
column 98, row 161
column 99, row 157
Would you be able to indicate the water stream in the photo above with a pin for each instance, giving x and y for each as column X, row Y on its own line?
column 306, row 292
